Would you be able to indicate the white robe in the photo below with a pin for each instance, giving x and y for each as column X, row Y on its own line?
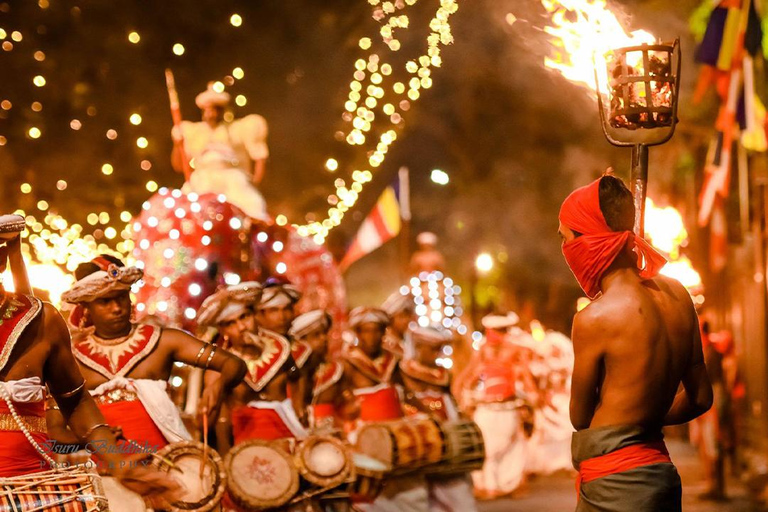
column 505, row 447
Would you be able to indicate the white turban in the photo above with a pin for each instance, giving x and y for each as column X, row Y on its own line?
column 102, row 282
column 276, row 296
column 228, row 303
column 363, row 315
column 309, row 322
column 397, row 302
column 426, row 238
column 430, row 336
column 500, row 322
column 12, row 224
column 210, row 97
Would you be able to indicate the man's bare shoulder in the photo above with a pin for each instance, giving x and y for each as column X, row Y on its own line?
column 598, row 316
column 54, row 327
column 672, row 287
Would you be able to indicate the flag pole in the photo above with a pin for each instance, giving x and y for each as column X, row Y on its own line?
column 405, row 217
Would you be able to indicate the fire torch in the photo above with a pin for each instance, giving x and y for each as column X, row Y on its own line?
column 638, row 106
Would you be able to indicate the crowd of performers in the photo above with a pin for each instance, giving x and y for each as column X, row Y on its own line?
column 379, row 405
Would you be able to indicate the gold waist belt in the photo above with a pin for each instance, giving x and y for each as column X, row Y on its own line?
column 116, row 395
column 34, row 424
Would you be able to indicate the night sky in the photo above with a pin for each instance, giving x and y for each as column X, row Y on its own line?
column 514, row 137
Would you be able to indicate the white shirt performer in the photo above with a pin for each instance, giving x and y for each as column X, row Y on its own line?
column 226, row 157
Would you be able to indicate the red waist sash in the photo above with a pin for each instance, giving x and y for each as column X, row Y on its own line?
column 380, row 405
column 17, row 455
column 321, row 411
column 252, row 423
column 623, row 459
column 136, row 423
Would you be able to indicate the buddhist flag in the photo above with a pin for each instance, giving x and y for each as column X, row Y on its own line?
column 382, row 224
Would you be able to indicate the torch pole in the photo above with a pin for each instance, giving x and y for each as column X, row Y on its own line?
column 639, row 182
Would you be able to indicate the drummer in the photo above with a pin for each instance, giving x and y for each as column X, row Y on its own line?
column 430, row 385
column 127, row 365
column 258, row 408
column 276, row 311
column 401, row 311
column 327, row 401
column 35, row 352
column 370, row 372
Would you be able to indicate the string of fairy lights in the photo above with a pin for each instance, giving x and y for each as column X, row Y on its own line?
column 380, row 95
column 377, row 89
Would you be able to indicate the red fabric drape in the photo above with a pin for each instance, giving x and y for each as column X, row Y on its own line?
column 136, row 423
column 17, row 455
column 590, row 254
column 251, row 423
column 381, row 405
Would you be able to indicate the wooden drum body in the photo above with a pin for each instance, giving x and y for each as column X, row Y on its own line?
column 184, row 459
column 403, row 444
column 261, row 474
column 369, row 478
column 73, row 489
column 464, row 448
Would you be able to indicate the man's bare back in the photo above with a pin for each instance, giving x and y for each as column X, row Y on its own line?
column 635, row 345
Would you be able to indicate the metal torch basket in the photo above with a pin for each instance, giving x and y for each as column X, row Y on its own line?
column 639, row 107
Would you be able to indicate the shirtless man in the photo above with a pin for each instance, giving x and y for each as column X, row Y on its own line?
column 258, row 408
column 327, row 394
column 127, row 365
column 430, row 384
column 638, row 357
column 371, row 373
column 400, row 309
column 35, row 352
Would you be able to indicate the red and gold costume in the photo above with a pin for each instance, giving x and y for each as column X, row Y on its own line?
column 382, row 401
column 120, row 399
column 17, row 455
column 266, row 420
column 326, row 376
column 439, row 401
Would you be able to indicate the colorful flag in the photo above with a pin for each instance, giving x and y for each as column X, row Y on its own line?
column 381, row 225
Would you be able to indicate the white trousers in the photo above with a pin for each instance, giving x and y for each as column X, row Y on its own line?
column 404, row 494
column 452, row 494
column 505, row 447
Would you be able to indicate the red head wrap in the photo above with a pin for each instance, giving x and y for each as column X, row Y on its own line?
column 590, row 254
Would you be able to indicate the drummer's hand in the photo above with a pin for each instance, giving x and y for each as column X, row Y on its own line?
column 160, row 489
column 210, row 402
column 117, row 431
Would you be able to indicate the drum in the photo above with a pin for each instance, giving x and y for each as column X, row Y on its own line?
column 402, row 444
column 323, row 461
column 369, row 478
column 72, row 489
column 464, row 448
column 182, row 461
column 261, row 474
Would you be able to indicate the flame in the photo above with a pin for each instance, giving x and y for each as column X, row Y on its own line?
column 583, row 32
column 665, row 229
column 683, row 271
column 42, row 276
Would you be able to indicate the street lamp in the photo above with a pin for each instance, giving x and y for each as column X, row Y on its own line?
column 483, row 265
column 439, row 177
